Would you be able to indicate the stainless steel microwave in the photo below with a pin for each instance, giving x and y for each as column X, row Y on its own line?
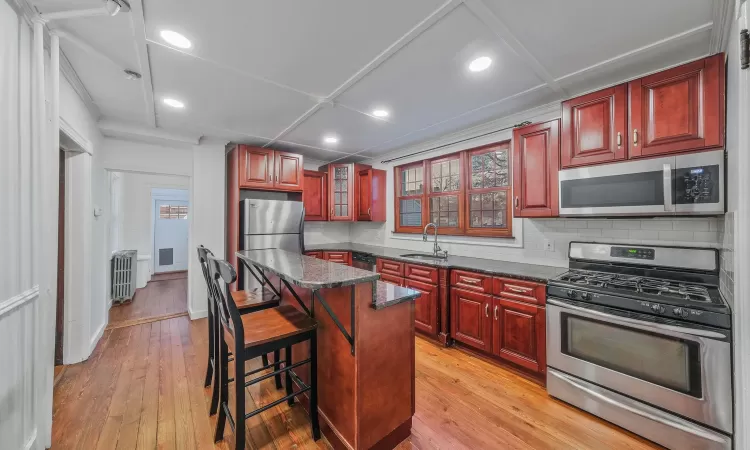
column 691, row 184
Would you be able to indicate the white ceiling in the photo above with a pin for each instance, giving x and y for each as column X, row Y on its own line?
column 285, row 73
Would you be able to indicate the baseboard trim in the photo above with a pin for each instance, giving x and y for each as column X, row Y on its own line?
column 95, row 338
column 195, row 315
column 31, row 441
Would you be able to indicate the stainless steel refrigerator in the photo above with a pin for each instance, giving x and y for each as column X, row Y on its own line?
column 270, row 224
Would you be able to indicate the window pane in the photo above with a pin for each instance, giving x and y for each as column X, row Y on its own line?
column 501, row 199
column 476, row 180
column 500, row 221
column 452, row 203
column 476, row 219
column 454, row 183
column 454, row 167
column 435, row 204
column 476, row 203
column 437, row 185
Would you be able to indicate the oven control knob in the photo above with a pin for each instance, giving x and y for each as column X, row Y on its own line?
column 585, row 296
column 681, row 312
column 571, row 293
column 658, row 309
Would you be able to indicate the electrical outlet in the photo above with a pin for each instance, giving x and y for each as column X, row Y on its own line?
column 549, row 245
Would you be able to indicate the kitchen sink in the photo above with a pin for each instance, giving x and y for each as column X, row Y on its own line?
column 424, row 257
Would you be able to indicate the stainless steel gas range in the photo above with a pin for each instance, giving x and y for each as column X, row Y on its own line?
column 641, row 337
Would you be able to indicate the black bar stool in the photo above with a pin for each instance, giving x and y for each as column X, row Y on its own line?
column 246, row 302
column 253, row 335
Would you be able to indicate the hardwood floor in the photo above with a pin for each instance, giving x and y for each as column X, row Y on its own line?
column 142, row 388
column 165, row 296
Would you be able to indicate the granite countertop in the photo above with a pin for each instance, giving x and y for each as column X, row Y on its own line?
column 306, row 271
column 531, row 272
column 388, row 294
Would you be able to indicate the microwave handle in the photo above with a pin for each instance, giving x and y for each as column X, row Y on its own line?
column 667, row 180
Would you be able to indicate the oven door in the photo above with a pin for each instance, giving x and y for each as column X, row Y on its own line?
column 682, row 369
column 628, row 188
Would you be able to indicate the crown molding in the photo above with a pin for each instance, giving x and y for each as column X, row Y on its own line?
column 485, row 130
column 723, row 14
column 131, row 131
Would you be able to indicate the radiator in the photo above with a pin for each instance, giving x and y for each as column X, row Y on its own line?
column 123, row 270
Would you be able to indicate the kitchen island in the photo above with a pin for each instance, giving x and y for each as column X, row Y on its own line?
column 365, row 344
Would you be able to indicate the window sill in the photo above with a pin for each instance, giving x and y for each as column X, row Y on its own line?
column 504, row 241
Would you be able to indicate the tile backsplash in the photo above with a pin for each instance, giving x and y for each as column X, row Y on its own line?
column 726, row 239
column 689, row 232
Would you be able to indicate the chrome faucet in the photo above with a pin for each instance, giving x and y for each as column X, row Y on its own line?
column 436, row 248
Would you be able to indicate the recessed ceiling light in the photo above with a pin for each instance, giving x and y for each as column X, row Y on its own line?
column 173, row 103
column 176, row 39
column 380, row 113
column 330, row 139
column 480, row 64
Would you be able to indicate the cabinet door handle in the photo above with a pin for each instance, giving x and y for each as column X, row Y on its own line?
column 487, row 310
column 516, row 201
column 516, row 289
column 277, row 178
column 495, row 312
column 368, row 212
column 635, row 137
column 619, row 139
column 332, row 212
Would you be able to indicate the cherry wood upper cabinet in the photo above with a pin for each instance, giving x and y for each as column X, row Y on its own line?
column 267, row 169
column 536, row 161
column 678, row 110
column 595, row 128
column 341, row 192
column 288, row 171
column 369, row 187
column 470, row 318
column 315, row 195
column 256, row 167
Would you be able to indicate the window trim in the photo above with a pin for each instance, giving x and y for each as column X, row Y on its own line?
column 464, row 191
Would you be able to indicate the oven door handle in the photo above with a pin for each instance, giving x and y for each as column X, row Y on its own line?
column 663, row 420
column 627, row 320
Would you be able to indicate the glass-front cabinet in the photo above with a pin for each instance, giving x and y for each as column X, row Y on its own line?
column 341, row 190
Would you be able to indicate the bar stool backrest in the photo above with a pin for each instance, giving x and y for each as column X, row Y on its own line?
column 203, row 254
column 222, row 273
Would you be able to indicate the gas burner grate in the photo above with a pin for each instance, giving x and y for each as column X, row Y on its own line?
column 651, row 286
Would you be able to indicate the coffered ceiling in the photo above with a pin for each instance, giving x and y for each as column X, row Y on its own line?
column 287, row 73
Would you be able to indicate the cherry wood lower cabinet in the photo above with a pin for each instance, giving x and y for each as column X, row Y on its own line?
column 426, row 308
column 431, row 309
column 519, row 333
column 338, row 257
column 470, row 318
column 510, row 325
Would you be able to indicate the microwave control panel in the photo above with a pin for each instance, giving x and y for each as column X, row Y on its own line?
column 697, row 185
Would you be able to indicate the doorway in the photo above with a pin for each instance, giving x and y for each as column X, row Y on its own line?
column 150, row 213
column 170, row 249
column 60, row 310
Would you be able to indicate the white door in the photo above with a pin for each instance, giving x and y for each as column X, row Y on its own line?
column 170, row 235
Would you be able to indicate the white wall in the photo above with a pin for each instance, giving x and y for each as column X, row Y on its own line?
column 19, row 291
column 207, row 191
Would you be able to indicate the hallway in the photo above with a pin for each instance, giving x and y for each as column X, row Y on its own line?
column 165, row 296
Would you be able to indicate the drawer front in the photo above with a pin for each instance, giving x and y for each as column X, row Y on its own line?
column 393, row 279
column 519, row 290
column 318, row 255
column 421, row 273
column 390, row 267
column 471, row 281
column 338, row 257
